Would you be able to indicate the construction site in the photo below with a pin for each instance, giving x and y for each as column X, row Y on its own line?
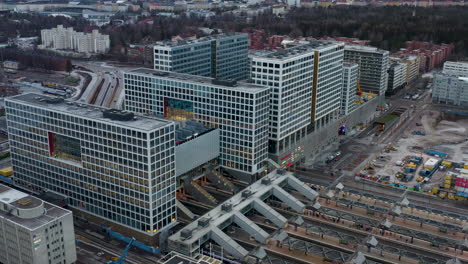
column 429, row 156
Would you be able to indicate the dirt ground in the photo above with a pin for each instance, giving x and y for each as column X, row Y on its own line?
column 441, row 135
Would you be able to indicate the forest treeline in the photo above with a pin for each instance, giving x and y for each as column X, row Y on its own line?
column 386, row 27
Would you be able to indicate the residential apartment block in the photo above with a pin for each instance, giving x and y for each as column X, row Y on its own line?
column 396, row 76
column 412, row 66
column 240, row 110
column 221, row 56
column 61, row 38
column 33, row 231
column 451, row 85
column 458, row 68
column 348, row 96
column 373, row 66
column 289, row 75
column 111, row 164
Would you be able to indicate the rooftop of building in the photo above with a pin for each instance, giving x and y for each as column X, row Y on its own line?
column 170, row 43
column 137, row 122
column 296, row 49
column 365, row 49
column 25, row 201
column 188, row 130
column 240, row 86
column 398, row 56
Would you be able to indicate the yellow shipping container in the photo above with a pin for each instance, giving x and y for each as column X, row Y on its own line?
column 435, row 190
column 447, row 164
column 411, row 165
column 466, row 166
column 428, row 168
column 447, row 186
column 7, row 172
column 448, row 177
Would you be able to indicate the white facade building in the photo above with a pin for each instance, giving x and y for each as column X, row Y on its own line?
column 289, row 75
column 396, row 76
column 412, row 66
column 33, row 231
column 373, row 66
column 458, row 68
column 61, row 38
column 112, row 165
column 348, row 96
column 450, row 89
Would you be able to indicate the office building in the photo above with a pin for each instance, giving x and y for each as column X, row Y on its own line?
column 396, row 77
column 223, row 56
column 373, row 66
column 348, row 96
column 240, row 110
column 33, row 231
column 289, row 75
column 61, row 38
column 457, row 68
column 412, row 66
column 449, row 88
column 328, row 82
column 114, row 166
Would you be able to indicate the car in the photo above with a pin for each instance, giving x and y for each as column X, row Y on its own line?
column 338, row 153
column 337, row 158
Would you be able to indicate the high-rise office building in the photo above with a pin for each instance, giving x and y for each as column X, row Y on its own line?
column 396, row 76
column 240, row 110
column 348, row 96
column 289, row 75
column 223, row 56
column 33, row 231
column 113, row 165
column 373, row 66
column 328, row 82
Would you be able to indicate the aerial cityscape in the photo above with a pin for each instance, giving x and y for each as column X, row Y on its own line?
column 233, row 132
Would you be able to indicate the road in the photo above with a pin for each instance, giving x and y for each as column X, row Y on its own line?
column 106, row 88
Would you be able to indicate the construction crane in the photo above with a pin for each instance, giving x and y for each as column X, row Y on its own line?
column 358, row 90
column 121, row 259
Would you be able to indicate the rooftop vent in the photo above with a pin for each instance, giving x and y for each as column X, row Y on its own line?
column 229, row 83
column 54, row 100
column 204, row 222
column 118, row 115
column 266, row 181
column 227, row 207
column 160, row 73
column 186, row 234
column 246, row 194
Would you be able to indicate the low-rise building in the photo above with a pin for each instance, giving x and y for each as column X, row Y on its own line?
column 449, row 88
column 412, row 65
column 12, row 65
column 33, row 231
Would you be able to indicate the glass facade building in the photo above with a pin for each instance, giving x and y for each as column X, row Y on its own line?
column 221, row 56
column 240, row 110
column 348, row 96
column 112, row 164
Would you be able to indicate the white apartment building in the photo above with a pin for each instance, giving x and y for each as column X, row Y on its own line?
column 240, row 110
column 373, row 66
column 396, row 76
column 114, row 166
column 448, row 88
column 33, row 231
column 61, row 38
column 289, row 75
column 457, row 68
column 412, row 66
column 348, row 96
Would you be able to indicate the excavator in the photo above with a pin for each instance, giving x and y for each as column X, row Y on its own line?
column 123, row 256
